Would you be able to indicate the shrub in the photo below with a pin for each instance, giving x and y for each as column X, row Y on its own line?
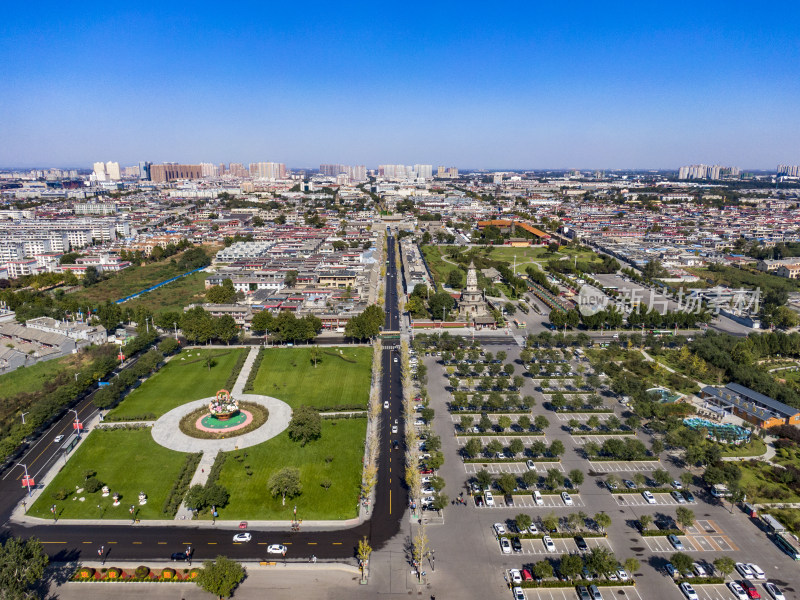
column 142, row 571
column 114, row 573
column 168, row 573
column 93, row 484
column 62, row 494
column 85, row 573
column 193, row 573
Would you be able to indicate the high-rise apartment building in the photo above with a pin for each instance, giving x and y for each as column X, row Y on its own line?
column 237, row 170
column 173, row 171
column 108, row 171
column 209, row 169
column 424, row 171
column 789, row 170
column 267, row 170
column 131, row 172
column 144, row 170
column 99, row 171
column 113, row 172
column 707, row 172
column 332, row 170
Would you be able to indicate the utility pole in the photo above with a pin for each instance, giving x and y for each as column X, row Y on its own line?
column 23, row 416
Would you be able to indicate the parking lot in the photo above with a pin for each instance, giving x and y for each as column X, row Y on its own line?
column 619, row 592
column 580, row 439
column 721, row 592
column 503, row 439
column 509, row 467
column 692, row 543
column 610, row 466
column 562, row 546
column 526, row 501
column 638, row 499
column 566, row 417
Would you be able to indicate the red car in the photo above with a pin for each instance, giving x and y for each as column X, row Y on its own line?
column 426, row 471
column 750, row 589
column 526, row 575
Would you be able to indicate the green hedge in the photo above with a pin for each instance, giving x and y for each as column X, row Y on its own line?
column 644, row 489
column 561, row 535
column 251, row 379
column 555, row 492
column 237, row 367
column 506, row 434
column 615, row 432
column 661, row 532
column 509, row 460
column 576, row 582
column 143, row 417
column 607, row 459
column 700, row 580
column 176, row 494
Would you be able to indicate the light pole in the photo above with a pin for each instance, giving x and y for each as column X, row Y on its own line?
column 27, row 481
column 76, row 376
column 23, row 416
column 77, row 422
column 175, row 326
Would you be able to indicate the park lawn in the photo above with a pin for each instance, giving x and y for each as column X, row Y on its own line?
column 183, row 379
column 342, row 439
column 173, row 296
column 755, row 481
column 755, row 447
column 440, row 268
column 35, row 377
column 128, row 461
column 289, row 375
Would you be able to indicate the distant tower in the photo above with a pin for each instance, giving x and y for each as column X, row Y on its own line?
column 471, row 304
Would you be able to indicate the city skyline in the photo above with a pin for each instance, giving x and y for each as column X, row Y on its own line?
column 525, row 88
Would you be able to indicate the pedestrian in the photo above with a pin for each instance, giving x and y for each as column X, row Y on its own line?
column 202, row 470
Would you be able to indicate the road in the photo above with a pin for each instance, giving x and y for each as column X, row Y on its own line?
column 66, row 542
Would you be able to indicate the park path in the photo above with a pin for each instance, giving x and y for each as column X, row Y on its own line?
column 200, row 476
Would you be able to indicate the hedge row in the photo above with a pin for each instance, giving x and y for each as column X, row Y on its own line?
column 556, row 492
column 614, row 432
column 581, row 411
column 178, row 490
column 638, row 490
column 477, row 411
column 562, row 535
column 251, row 378
column 504, row 433
column 216, row 469
column 699, row 580
column 575, row 582
column 509, row 460
column 611, row 459
column 352, row 415
column 237, row 368
column 143, row 417
column 661, row 532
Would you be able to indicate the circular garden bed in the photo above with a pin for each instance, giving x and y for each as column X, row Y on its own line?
column 226, row 429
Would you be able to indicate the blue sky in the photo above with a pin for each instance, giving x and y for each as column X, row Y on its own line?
column 514, row 85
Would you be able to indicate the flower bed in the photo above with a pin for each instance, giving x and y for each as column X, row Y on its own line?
column 140, row 574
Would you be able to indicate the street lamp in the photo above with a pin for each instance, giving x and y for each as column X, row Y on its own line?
column 27, row 481
column 77, row 422
column 23, row 416
column 175, row 326
column 76, row 376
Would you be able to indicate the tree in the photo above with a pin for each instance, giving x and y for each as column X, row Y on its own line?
column 631, row 565
column 603, row 520
column 523, row 521
column 554, row 479
column 455, row 279
column 645, row 521
column 366, row 325
column 484, row 478
column 725, row 565
column 22, row 564
column 550, row 522
column 440, row 500
column 220, row 577
column 682, row 562
column 221, row 294
column 570, row 565
column 504, row 422
column 507, row 482
column 420, row 546
column 639, row 479
column 440, row 302
column 473, row 447
column 305, row 425
column 543, row 569
column 557, row 448
column 290, row 280
column 285, row 483
column 657, row 447
column 576, row 477
column 516, row 446
column 524, row 422
column 684, row 516
column 540, row 422
column 661, row 477
column 90, row 276
column 600, row 560
column 225, row 328
column 494, row 447
column 466, row 422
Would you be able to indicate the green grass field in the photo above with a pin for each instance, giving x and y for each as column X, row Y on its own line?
column 755, row 447
column 183, row 379
column 343, row 440
column 128, row 462
column 34, row 378
column 289, row 375
column 174, row 296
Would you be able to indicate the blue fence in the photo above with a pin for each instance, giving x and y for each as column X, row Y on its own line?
column 156, row 286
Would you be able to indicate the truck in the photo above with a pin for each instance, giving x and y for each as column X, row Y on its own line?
column 773, row 523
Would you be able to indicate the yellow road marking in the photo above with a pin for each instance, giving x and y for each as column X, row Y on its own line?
column 54, row 542
column 212, row 543
column 337, row 543
column 262, row 543
column 136, row 542
column 162, row 543
column 312, row 543
column 111, row 542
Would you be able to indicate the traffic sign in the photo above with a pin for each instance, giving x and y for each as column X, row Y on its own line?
column 77, row 425
column 28, row 481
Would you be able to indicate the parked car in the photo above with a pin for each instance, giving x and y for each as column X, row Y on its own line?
column 505, row 545
column 629, row 484
column 752, row 591
column 622, row 574
column 516, row 545
column 737, row 591
column 774, row 591
column 649, row 497
column 518, row 593
column 611, row 485
column 515, row 576
column 489, row 499
column 537, row 498
column 757, row 571
column 548, row 543
column 531, row 466
column 745, row 571
column 499, row 529
column 688, row 591
column 678, row 497
column 527, row 575
column 676, row 543
column 670, row 569
column 689, row 496
column 567, row 499
column 594, row 591
column 583, row 593
column 479, row 500
column 699, row 570
column 581, row 543
column 677, row 484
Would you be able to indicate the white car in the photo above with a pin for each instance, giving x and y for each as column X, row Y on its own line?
column 688, row 591
column 242, row 537
column 649, row 497
column 505, row 545
column 518, row 593
column 567, row 499
column 774, row 591
column 745, row 571
column 428, row 490
column 548, row 543
column 499, row 529
column 532, row 529
column 386, row 404
column 58, row 438
column 737, row 591
column 515, row 576
column 622, row 574
column 276, row 549
column 394, row 428
column 489, row 499
column 537, row 498
column 395, row 359
column 758, row 572
column 699, row 570
column 530, row 465
column 677, row 484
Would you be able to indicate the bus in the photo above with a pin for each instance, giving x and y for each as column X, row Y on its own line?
column 773, row 523
column 788, row 543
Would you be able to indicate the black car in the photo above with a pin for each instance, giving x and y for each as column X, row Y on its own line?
column 516, row 545
column 689, row 496
column 178, row 556
column 509, row 499
column 581, row 543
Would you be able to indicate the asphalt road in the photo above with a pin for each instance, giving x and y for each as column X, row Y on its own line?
column 66, row 542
